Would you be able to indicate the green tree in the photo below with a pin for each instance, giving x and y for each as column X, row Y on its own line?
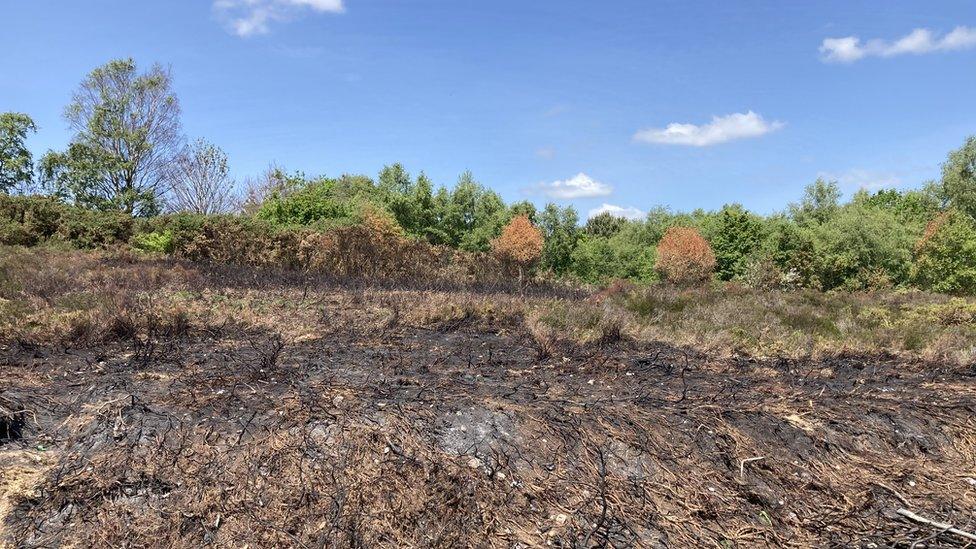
column 423, row 211
column 320, row 201
column 861, row 247
column 946, row 255
column 594, row 259
column 394, row 181
column 914, row 207
column 737, row 240
column 959, row 178
column 604, row 224
column 821, row 201
column 127, row 133
column 16, row 162
column 560, row 228
column 471, row 215
column 792, row 249
column 523, row 207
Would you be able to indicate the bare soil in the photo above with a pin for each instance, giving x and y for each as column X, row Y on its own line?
column 469, row 434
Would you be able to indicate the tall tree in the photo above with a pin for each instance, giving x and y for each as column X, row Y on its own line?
column 16, row 162
column 200, row 180
column 394, row 180
column 127, row 132
column 738, row 237
column 561, row 232
column 604, row 224
column 959, row 178
column 821, row 201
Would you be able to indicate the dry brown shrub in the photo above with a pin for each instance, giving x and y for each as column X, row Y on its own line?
column 519, row 245
column 375, row 248
column 684, row 256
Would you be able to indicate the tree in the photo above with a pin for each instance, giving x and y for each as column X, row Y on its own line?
column 862, row 247
column 821, row 200
column 470, row 215
column 273, row 182
column 394, row 180
column 127, row 132
column 738, row 237
column 959, row 178
column 16, row 162
column 604, row 224
column 684, row 257
column 946, row 255
column 594, row 259
column 520, row 244
column 561, row 233
column 200, row 180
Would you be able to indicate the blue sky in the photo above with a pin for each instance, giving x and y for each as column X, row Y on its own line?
column 628, row 103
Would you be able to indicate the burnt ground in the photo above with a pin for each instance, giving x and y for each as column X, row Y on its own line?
column 464, row 434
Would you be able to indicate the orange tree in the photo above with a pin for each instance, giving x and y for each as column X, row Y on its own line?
column 684, row 257
column 519, row 245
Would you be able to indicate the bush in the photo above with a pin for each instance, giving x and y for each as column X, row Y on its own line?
column 738, row 237
column 29, row 220
column 316, row 202
column 862, row 248
column 93, row 229
column 519, row 245
column 154, row 242
column 946, row 255
column 684, row 257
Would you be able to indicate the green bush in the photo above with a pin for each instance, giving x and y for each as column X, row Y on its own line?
column 861, row 247
column 946, row 256
column 154, row 242
column 29, row 220
column 738, row 238
column 93, row 229
column 316, row 202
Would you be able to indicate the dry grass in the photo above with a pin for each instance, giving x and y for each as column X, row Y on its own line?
column 729, row 319
column 197, row 405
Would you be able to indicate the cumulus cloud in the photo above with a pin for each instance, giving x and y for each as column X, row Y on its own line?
column 251, row 17
column 850, row 48
column 720, row 130
column 580, row 186
column 857, row 178
column 619, row 211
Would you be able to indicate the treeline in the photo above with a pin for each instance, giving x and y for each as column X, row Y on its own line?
column 129, row 175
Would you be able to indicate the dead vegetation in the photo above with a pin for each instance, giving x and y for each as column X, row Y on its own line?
column 168, row 404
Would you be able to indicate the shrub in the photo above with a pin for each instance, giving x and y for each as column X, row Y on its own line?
column 93, row 229
column 316, row 202
column 738, row 236
column 684, row 257
column 946, row 255
column 375, row 249
column 154, row 242
column 860, row 248
column 29, row 220
column 520, row 244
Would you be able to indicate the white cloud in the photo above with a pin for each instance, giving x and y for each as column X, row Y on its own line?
column 720, row 130
column 619, row 211
column 251, row 17
column 546, row 153
column 849, row 48
column 857, row 178
column 580, row 186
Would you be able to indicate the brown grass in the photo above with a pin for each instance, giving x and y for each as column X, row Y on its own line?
column 200, row 405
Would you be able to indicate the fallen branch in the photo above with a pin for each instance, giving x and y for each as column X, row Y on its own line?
column 948, row 528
